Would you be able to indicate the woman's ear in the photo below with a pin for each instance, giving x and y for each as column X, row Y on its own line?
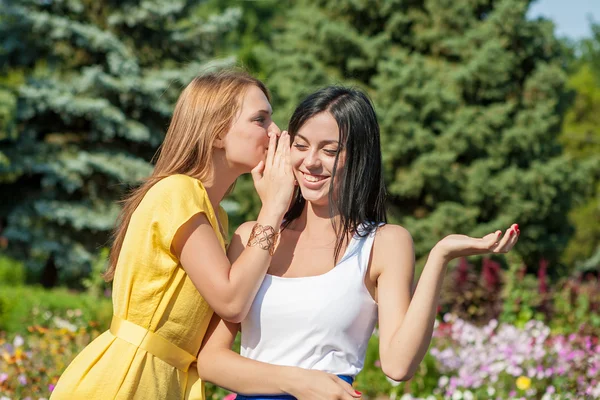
column 219, row 143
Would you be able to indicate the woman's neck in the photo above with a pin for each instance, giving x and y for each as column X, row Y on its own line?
column 223, row 176
column 315, row 221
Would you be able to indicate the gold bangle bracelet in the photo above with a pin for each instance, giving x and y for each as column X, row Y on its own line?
column 263, row 236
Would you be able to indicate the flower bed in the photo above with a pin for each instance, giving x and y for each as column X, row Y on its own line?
column 31, row 363
column 501, row 361
column 496, row 361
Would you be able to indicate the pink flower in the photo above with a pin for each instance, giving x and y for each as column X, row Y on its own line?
column 230, row 396
column 51, row 387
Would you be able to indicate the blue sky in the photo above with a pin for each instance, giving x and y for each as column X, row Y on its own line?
column 570, row 16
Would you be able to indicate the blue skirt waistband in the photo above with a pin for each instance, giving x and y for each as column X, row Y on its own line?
column 347, row 378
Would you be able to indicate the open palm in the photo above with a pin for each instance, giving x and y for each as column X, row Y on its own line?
column 454, row 246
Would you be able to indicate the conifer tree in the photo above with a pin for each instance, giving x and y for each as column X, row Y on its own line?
column 101, row 81
column 470, row 99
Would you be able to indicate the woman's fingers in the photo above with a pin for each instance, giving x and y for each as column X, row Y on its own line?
column 282, row 145
column 287, row 162
column 513, row 237
column 490, row 240
column 350, row 393
column 257, row 172
column 271, row 150
column 502, row 242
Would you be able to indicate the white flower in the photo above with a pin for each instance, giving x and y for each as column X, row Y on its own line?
column 467, row 395
column 457, row 395
column 18, row 342
column 491, row 391
column 449, row 317
column 63, row 323
column 406, row 396
column 443, row 381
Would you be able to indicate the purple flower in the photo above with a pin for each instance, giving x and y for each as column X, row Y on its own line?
column 51, row 387
column 3, row 377
column 22, row 379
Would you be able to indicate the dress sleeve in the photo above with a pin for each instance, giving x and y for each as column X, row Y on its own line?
column 175, row 200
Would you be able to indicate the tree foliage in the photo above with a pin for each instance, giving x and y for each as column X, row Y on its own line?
column 581, row 139
column 470, row 96
column 95, row 103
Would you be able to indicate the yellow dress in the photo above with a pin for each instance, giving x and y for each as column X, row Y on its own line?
column 160, row 318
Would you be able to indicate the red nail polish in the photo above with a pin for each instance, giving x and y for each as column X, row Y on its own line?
column 357, row 392
column 517, row 227
column 511, row 232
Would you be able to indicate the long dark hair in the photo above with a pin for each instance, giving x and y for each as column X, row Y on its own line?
column 360, row 195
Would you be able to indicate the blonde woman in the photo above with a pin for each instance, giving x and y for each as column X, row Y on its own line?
column 168, row 259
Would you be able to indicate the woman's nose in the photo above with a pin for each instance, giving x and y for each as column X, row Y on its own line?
column 311, row 159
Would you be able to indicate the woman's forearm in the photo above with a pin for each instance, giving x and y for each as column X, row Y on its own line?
column 410, row 342
column 248, row 270
column 229, row 286
column 236, row 373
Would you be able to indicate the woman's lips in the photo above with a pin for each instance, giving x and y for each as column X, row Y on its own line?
column 313, row 181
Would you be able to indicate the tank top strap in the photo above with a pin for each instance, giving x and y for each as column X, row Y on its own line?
column 363, row 243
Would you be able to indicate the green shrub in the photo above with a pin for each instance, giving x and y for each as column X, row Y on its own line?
column 576, row 306
column 95, row 284
column 522, row 298
column 24, row 306
column 12, row 272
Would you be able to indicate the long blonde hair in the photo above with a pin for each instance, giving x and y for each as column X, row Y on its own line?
column 204, row 112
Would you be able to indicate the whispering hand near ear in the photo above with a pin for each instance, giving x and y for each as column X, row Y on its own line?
column 273, row 177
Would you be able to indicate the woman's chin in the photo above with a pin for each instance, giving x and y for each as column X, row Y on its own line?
column 317, row 199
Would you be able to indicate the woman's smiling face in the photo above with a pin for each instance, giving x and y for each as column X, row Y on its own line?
column 314, row 150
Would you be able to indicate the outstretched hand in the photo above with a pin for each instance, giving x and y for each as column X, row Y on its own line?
column 455, row 246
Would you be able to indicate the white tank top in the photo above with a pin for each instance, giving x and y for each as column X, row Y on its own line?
column 321, row 322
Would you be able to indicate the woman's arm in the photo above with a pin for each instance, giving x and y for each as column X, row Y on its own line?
column 218, row 364
column 229, row 288
column 405, row 324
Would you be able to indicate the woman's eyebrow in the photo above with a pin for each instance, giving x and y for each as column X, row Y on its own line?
column 268, row 112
